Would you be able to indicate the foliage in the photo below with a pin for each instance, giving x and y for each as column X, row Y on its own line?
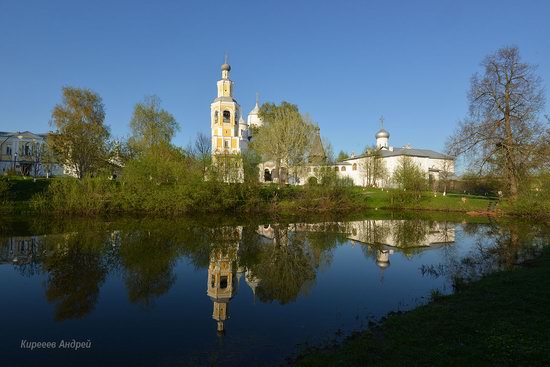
column 81, row 137
column 89, row 195
column 504, row 133
column 285, row 137
column 151, row 125
column 342, row 156
column 534, row 198
column 410, row 180
column 5, row 194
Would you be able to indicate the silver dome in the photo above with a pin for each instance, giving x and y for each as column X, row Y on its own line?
column 382, row 134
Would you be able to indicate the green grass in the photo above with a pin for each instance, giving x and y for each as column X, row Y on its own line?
column 500, row 320
column 376, row 198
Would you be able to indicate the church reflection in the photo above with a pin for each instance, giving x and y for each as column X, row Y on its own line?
column 279, row 262
column 221, row 284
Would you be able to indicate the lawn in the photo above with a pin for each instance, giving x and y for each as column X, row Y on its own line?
column 377, row 198
column 501, row 320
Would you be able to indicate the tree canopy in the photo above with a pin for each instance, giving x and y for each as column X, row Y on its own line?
column 151, row 125
column 286, row 136
column 81, row 137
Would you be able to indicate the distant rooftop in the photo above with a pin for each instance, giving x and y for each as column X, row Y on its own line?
column 409, row 152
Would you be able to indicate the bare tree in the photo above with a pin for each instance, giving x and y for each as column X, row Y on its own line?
column 373, row 168
column 503, row 132
column 202, row 150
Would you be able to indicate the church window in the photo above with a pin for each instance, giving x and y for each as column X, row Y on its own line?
column 223, row 282
column 343, row 169
column 213, row 281
column 336, row 169
column 8, row 150
column 216, row 117
column 354, row 167
column 226, row 144
column 226, row 117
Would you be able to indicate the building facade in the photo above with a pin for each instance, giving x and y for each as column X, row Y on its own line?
column 384, row 159
column 26, row 153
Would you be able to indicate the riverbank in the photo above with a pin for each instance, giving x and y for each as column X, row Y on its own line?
column 502, row 320
column 101, row 196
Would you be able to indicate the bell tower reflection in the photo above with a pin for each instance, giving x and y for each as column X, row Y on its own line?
column 222, row 276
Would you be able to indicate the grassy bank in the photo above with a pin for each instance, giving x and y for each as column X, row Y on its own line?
column 501, row 320
column 100, row 196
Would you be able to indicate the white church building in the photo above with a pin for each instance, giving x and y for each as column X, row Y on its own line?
column 436, row 165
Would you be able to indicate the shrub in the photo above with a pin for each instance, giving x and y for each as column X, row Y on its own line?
column 534, row 198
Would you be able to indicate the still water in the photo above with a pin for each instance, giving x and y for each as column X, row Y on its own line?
column 179, row 292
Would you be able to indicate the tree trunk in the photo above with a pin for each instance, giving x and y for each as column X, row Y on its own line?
column 510, row 163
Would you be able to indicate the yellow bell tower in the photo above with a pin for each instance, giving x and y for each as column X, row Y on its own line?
column 227, row 136
column 222, row 274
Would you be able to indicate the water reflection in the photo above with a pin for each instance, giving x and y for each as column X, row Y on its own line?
column 221, row 273
column 278, row 261
column 495, row 247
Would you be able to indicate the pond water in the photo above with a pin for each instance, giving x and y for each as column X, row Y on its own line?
column 180, row 292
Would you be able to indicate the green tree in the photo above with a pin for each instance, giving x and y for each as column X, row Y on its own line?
column 409, row 177
column 286, row 136
column 504, row 132
column 80, row 141
column 151, row 125
column 341, row 156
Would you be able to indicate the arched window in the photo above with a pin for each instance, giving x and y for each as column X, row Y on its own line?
column 336, row 169
column 343, row 168
column 216, row 117
column 354, row 167
column 226, row 116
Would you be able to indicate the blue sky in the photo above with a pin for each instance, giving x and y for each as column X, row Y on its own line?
column 343, row 62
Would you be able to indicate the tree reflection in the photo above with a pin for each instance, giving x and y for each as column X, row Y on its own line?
column 285, row 268
column 76, row 270
column 497, row 247
column 148, row 259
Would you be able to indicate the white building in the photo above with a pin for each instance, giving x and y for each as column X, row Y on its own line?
column 25, row 153
column 359, row 168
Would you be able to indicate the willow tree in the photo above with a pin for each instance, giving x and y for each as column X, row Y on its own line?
column 80, row 141
column 286, row 136
column 503, row 133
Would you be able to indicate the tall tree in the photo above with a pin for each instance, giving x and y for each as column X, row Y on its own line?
column 286, row 136
column 503, row 132
column 151, row 125
column 80, row 141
